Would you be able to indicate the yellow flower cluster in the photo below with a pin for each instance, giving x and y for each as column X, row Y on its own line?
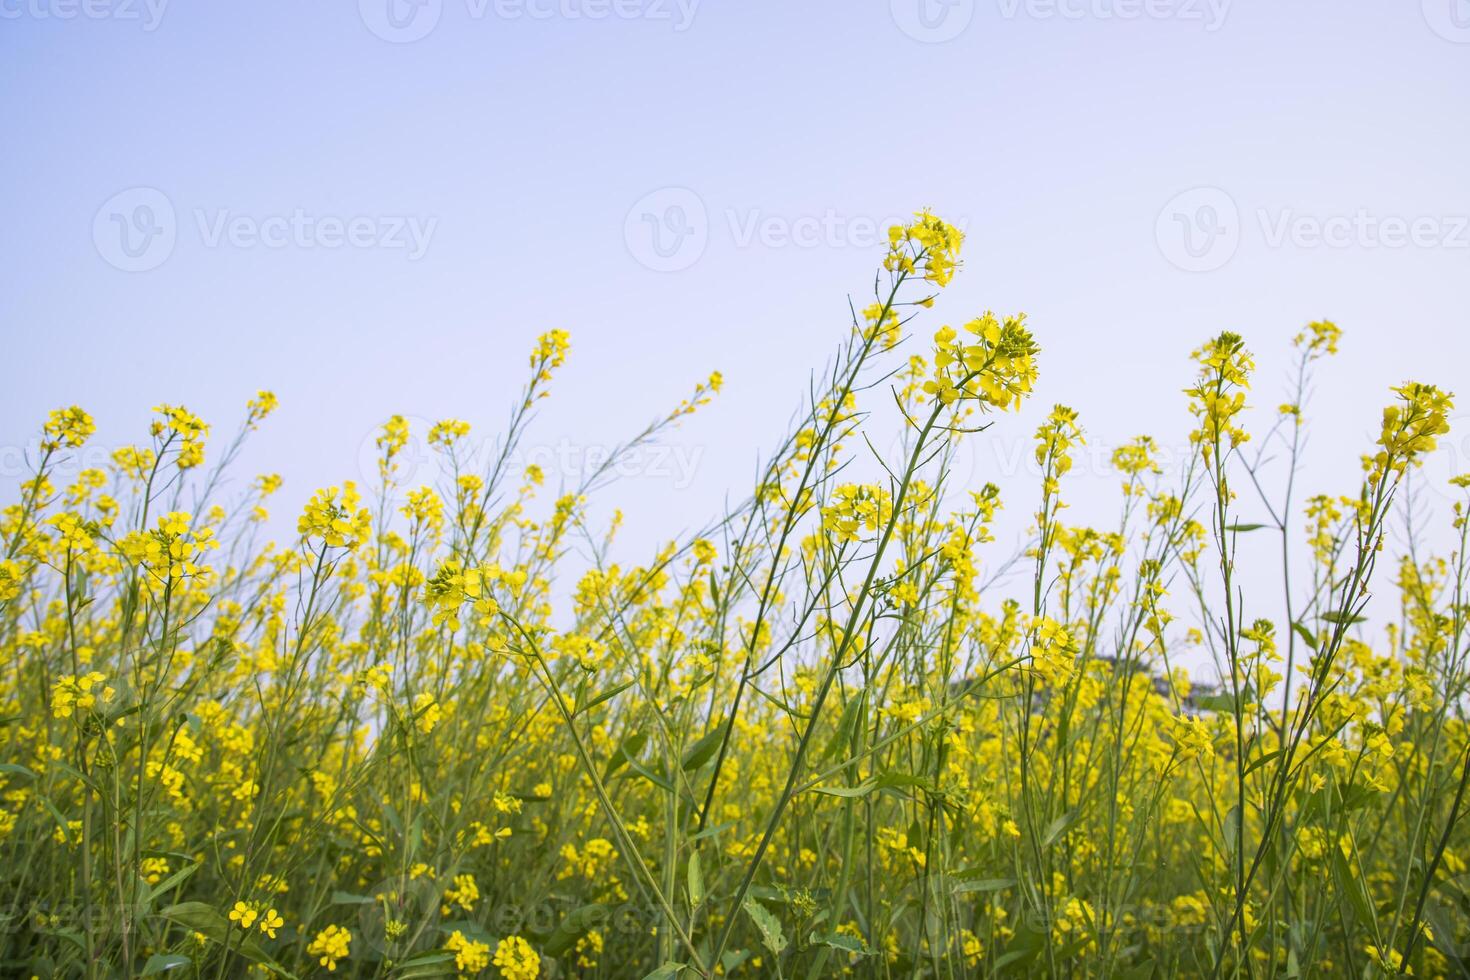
column 470, row 957
column 1319, row 339
column 996, row 368
column 1411, row 428
column 259, row 408
column 855, row 509
column 446, row 433
column 452, row 586
column 928, row 247
column 1054, row 441
column 67, row 427
column 177, row 423
column 170, row 551
column 1053, row 652
column 1218, row 396
column 332, row 944
column 516, row 959
column 335, row 517
column 248, row 914
column 72, row 694
column 550, row 353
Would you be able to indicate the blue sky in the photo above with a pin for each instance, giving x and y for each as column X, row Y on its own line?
column 375, row 207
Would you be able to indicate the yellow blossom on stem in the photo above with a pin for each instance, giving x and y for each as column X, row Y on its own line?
column 335, row 516
column 67, row 427
column 330, row 945
column 516, row 959
column 470, row 957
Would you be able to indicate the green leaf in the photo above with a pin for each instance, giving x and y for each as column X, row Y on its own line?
column 163, row 962
column 1260, row 761
column 770, row 927
column 1356, row 795
column 1231, row 827
column 172, row 881
column 1351, row 886
column 197, row 916
column 60, row 820
column 733, row 959
column 696, row 881
column 667, row 972
column 1058, row 827
column 711, row 830
column 73, row 936
column 967, row 874
column 889, row 779
column 842, row 735
column 1225, row 702
column 428, row 970
column 1341, row 618
column 848, row 944
column 984, row 885
column 573, row 926
column 433, row 963
column 77, row 775
column 703, row 750
column 1024, row 947
column 625, row 753
column 1307, row 636
column 606, row 695
column 651, row 776
column 848, row 792
column 428, row 958
column 347, row 898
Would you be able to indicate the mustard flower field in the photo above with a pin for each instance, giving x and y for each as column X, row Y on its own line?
column 470, row 735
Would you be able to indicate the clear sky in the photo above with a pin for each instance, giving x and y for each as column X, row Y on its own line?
column 373, row 207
